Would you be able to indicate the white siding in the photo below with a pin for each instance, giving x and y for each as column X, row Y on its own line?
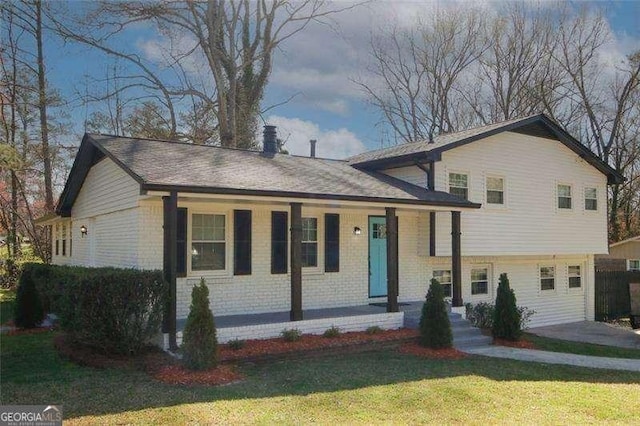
column 411, row 174
column 529, row 223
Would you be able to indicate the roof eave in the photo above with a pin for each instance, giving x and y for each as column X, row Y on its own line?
column 303, row 195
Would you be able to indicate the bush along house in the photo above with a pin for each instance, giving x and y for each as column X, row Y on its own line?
column 287, row 241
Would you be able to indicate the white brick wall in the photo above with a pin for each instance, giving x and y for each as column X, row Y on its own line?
column 386, row 321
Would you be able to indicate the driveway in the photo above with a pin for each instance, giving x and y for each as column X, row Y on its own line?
column 591, row 332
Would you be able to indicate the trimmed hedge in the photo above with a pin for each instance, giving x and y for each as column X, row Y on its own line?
column 113, row 310
column 506, row 318
column 28, row 311
column 199, row 342
column 435, row 327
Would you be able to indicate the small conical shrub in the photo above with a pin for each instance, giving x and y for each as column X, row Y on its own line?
column 435, row 328
column 199, row 342
column 28, row 311
column 506, row 318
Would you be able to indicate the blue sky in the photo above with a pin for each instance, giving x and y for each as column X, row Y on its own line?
column 318, row 66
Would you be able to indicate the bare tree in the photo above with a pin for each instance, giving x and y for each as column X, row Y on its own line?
column 419, row 73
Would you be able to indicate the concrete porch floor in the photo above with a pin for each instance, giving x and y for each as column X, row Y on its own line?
column 227, row 321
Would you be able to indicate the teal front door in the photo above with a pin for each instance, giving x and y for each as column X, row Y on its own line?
column 377, row 256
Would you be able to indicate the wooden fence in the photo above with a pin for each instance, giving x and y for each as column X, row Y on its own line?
column 612, row 294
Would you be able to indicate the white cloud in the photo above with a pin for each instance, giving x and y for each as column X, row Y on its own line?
column 296, row 133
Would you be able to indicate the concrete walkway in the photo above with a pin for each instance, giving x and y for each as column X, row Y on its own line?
column 598, row 333
column 532, row 355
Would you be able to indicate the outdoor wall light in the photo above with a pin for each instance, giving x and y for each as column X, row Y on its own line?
column 357, row 231
column 83, row 230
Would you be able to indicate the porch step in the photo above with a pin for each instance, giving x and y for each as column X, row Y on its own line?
column 465, row 336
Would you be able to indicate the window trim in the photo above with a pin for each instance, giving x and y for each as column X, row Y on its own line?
column 555, row 279
column 228, row 244
column 571, row 197
column 504, row 191
column 489, row 280
column 450, row 283
column 316, row 242
column 584, row 192
column 629, row 264
column 579, row 275
column 468, row 187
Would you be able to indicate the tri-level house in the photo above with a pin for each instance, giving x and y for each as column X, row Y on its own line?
column 282, row 238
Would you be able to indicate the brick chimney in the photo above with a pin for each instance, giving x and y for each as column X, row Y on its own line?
column 269, row 140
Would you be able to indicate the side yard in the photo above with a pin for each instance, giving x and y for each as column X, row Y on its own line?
column 373, row 387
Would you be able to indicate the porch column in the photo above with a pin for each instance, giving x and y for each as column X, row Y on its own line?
column 392, row 260
column 170, row 263
column 296, row 262
column 456, row 260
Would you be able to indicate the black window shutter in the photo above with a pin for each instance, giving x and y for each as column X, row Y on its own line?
column 331, row 242
column 279, row 242
column 242, row 242
column 181, row 243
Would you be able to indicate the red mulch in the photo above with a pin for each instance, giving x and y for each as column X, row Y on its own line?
column 21, row 331
column 520, row 344
column 176, row 374
column 414, row 348
column 266, row 347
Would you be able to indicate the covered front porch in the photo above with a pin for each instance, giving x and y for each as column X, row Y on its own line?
column 316, row 321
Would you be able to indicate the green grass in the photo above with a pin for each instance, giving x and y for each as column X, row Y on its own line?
column 555, row 345
column 376, row 387
column 7, row 300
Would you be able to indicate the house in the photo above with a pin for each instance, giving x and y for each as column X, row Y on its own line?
column 623, row 256
column 282, row 236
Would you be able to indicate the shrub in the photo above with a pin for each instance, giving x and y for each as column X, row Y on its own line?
column 374, row 329
column 199, row 342
column 112, row 310
column 435, row 328
column 506, row 318
column 291, row 335
column 480, row 315
column 332, row 332
column 28, row 311
column 237, row 344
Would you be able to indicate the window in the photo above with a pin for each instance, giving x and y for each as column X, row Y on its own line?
column 547, row 277
column 459, row 185
column 633, row 264
column 64, row 239
column 444, row 278
column 242, row 242
column 575, row 281
column 479, row 281
column 564, row 196
column 495, row 190
column 331, row 242
column 309, row 242
column 208, row 244
column 70, row 238
column 590, row 199
column 279, row 242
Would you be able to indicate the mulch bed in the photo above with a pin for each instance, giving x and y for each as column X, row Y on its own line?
column 414, row 348
column 266, row 349
column 21, row 331
column 519, row 344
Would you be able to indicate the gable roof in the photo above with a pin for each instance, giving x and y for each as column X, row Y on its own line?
column 635, row 239
column 167, row 166
column 536, row 125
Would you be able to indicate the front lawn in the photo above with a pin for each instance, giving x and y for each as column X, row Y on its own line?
column 375, row 387
column 556, row 345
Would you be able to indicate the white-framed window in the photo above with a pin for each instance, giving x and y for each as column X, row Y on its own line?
column 564, row 196
column 70, row 239
column 591, row 199
column 574, row 272
column 633, row 264
column 444, row 278
column 208, row 242
column 64, row 239
column 56, row 231
column 495, row 190
column 479, row 281
column 459, row 185
column 309, row 242
column 547, row 278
